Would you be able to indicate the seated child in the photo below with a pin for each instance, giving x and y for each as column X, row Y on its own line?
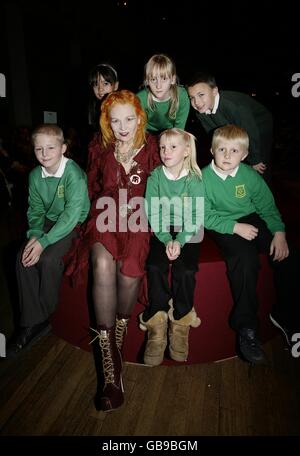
column 242, row 217
column 174, row 196
column 58, row 202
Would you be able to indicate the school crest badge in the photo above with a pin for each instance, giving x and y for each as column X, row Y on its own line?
column 240, row 191
column 60, row 191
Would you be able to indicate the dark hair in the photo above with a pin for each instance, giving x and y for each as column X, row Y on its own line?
column 202, row 77
column 110, row 75
column 106, row 70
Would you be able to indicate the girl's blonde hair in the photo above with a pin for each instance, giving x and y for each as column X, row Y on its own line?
column 162, row 65
column 190, row 162
column 122, row 97
column 230, row 133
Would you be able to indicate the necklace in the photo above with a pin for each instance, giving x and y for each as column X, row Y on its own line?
column 124, row 157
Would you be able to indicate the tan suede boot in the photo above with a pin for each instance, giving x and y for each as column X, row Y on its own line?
column 157, row 337
column 179, row 334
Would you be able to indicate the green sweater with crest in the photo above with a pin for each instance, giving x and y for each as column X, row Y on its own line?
column 176, row 203
column 63, row 200
column 225, row 201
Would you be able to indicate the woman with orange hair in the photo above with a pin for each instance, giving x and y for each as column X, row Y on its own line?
column 113, row 239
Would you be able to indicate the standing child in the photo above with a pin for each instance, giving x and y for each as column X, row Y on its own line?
column 215, row 109
column 174, row 197
column 241, row 213
column 166, row 103
column 58, row 201
column 103, row 79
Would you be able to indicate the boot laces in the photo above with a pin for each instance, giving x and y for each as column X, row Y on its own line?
column 107, row 362
column 120, row 331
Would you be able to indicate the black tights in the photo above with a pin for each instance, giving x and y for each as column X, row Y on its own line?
column 113, row 292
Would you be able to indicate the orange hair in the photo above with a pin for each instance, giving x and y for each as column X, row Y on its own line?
column 122, row 97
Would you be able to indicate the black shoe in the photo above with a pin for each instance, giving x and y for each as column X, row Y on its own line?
column 26, row 337
column 250, row 346
column 277, row 321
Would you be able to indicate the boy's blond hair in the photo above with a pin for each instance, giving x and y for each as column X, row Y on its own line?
column 50, row 130
column 190, row 162
column 230, row 133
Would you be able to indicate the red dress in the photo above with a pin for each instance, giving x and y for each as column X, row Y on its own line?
column 129, row 247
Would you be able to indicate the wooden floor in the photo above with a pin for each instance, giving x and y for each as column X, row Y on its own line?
column 49, row 390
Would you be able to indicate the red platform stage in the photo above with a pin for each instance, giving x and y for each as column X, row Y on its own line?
column 213, row 340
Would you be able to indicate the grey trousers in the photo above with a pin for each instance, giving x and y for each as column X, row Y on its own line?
column 39, row 285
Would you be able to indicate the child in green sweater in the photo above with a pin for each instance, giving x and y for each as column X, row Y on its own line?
column 165, row 102
column 58, row 202
column 174, row 196
column 242, row 217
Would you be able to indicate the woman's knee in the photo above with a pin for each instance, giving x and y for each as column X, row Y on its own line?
column 102, row 262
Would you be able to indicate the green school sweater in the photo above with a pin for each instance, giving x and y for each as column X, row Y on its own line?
column 226, row 201
column 158, row 119
column 63, row 200
column 174, row 202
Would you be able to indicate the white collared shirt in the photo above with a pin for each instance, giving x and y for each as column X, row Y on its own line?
column 183, row 173
column 60, row 170
column 216, row 105
column 222, row 175
column 160, row 101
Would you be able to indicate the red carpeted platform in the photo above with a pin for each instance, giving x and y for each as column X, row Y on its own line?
column 213, row 340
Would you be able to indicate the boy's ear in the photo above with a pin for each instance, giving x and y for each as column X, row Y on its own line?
column 116, row 85
column 211, row 151
column 245, row 155
column 64, row 148
column 215, row 91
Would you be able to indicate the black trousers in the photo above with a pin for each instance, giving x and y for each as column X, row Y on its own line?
column 39, row 285
column 182, row 288
column 242, row 261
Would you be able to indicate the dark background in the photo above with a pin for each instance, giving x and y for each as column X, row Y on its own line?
column 49, row 47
